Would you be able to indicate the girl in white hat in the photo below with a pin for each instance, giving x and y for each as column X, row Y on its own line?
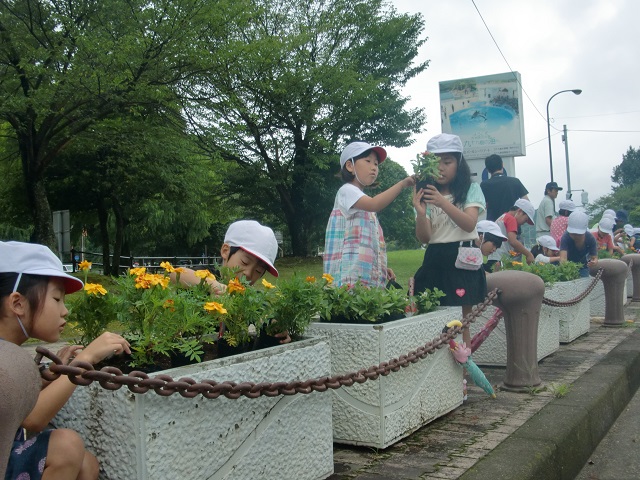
column 549, row 250
column 32, row 290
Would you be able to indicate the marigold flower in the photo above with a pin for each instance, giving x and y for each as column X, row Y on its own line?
column 84, row 265
column 205, row 274
column 267, row 285
column 516, row 263
column 137, row 271
column 310, row 279
column 327, row 277
column 168, row 267
column 215, row 307
column 94, row 289
column 168, row 304
column 179, row 270
column 235, row 286
column 513, row 253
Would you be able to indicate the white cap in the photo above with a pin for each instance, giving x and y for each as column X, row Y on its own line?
column 567, row 205
column 548, row 241
column 527, row 207
column 357, row 148
column 35, row 259
column 609, row 213
column 444, row 143
column 578, row 222
column 628, row 229
column 255, row 239
column 487, row 226
column 636, row 231
column 606, row 225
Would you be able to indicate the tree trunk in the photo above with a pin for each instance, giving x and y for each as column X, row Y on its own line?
column 294, row 208
column 120, row 224
column 103, row 217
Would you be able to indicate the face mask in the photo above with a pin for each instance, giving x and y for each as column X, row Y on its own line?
column 15, row 289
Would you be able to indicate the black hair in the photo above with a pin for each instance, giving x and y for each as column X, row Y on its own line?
column 536, row 250
column 490, row 237
column 33, row 287
column 459, row 187
column 564, row 213
column 347, row 176
column 493, row 163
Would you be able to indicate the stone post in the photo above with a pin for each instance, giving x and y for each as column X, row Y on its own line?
column 520, row 300
column 633, row 259
column 614, row 277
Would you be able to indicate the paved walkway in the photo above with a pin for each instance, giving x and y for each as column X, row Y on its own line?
column 449, row 447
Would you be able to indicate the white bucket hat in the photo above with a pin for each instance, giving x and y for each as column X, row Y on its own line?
column 487, row 226
column 527, row 207
column 567, row 205
column 578, row 222
column 356, row 148
column 606, row 224
column 548, row 241
column 256, row 239
column 34, row 259
column 444, row 143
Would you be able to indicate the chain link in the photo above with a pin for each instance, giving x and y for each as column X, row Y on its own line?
column 111, row 378
column 579, row 298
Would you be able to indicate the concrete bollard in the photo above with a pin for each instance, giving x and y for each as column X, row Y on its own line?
column 614, row 277
column 19, row 389
column 520, row 300
column 633, row 259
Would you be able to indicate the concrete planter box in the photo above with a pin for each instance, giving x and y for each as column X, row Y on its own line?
column 381, row 412
column 597, row 302
column 493, row 351
column 152, row 437
column 629, row 285
column 575, row 320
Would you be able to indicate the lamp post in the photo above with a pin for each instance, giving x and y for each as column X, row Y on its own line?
column 576, row 91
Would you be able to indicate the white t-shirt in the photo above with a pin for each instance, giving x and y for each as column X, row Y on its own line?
column 347, row 196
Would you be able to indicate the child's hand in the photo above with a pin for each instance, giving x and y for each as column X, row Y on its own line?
column 433, row 196
column 104, row 346
column 68, row 353
column 418, row 202
column 409, row 182
column 284, row 337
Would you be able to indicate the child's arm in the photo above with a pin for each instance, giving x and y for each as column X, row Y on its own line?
column 519, row 247
column 382, row 200
column 466, row 219
column 423, row 223
column 188, row 278
column 53, row 397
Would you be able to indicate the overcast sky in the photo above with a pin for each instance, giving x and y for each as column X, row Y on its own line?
column 593, row 45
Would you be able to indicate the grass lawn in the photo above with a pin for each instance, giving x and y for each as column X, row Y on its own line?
column 404, row 263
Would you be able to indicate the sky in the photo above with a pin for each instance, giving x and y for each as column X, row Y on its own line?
column 593, row 45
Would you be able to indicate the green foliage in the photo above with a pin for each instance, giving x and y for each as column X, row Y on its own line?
column 425, row 166
column 559, row 390
column 429, row 300
column 90, row 314
column 294, row 304
column 628, row 172
column 564, row 272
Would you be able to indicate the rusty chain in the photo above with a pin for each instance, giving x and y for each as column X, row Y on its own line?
column 579, row 298
column 111, row 378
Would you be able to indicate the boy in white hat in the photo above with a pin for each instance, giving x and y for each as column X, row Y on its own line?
column 354, row 246
column 603, row 234
column 577, row 244
column 550, row 252
column 522, row 212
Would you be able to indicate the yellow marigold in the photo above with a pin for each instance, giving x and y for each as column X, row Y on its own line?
column 179, row 270
column 94, row 289
column 310, row 279
column 137, row 271
column 513, row 253
column 215, row 307
column 327, row 277
column 516, row 263
column 235, row 286
column 168, row 303
column 267, row 285
column 206, row 274
column 142, row 281
column 168, row 267
column 84, row 265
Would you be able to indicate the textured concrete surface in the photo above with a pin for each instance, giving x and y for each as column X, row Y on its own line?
column 537, row 435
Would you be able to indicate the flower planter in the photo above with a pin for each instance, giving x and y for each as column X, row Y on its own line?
column 575, row 320
column 597, row 300
column 379, row 413
column 150, row 436
column 493, row 351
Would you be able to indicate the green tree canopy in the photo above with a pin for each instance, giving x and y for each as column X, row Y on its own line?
column 628, row 172
column 291, row 88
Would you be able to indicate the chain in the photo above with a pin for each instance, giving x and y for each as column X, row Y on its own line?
column 111, row 378
column 579, row 298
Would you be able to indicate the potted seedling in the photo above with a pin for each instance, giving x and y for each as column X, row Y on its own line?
column 425, row 168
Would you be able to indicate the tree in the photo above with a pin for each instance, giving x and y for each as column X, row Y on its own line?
column 295, row 85
column 66, row 64
column 628, row 172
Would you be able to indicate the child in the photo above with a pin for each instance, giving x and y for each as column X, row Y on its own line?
column 249, row 246
column 550, row 252
column 446, row 217
column 354, row 244
column 490, row 239
column 577, row 244
column 603, row 234
column 559, row 224
column 522, row 212
column 32, row 290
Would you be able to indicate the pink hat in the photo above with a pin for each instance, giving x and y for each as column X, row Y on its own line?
column 357, row 148
column 34, row 259
column 255, row 239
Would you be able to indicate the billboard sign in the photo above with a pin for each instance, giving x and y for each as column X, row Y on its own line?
column 486, row 113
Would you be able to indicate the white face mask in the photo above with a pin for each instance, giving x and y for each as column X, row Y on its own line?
column 15, row 289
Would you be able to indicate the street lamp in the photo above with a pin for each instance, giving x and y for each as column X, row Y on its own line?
column 577, row 91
